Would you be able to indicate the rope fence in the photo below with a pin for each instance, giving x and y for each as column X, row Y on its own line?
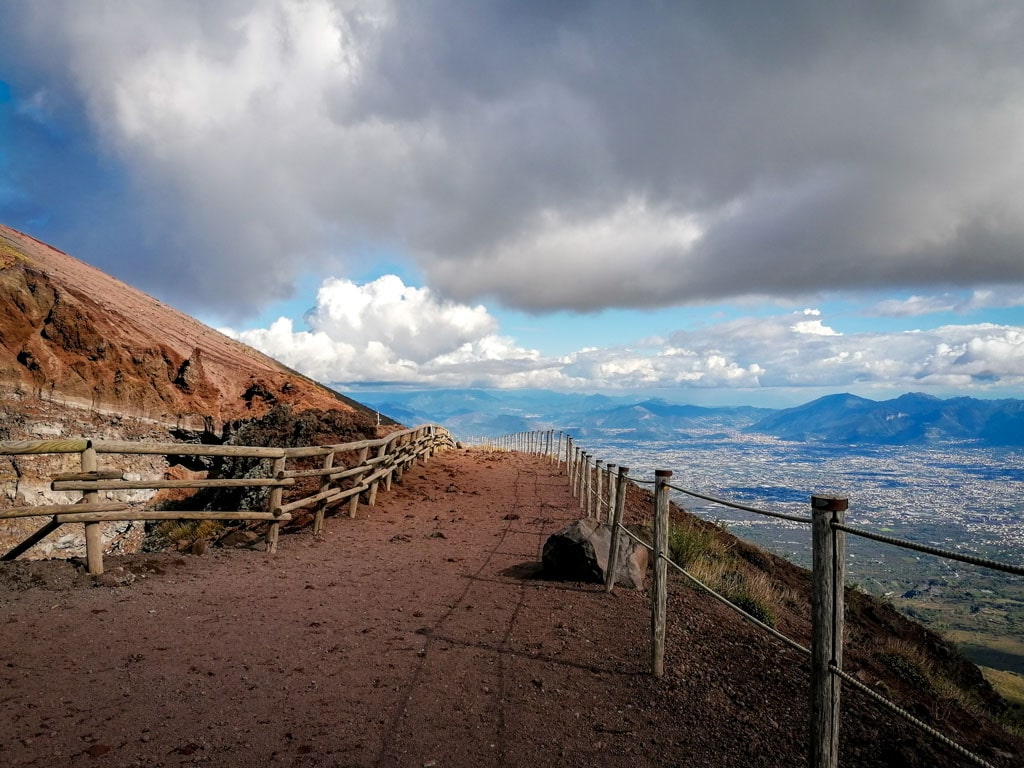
column 827, row 523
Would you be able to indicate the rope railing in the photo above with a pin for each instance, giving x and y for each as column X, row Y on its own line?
column 735, row 608
column 994, row 565
column 718, row 596
column 743, row 507
column 827, row 521
column 901, row 712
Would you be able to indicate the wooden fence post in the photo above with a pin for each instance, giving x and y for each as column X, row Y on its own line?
column 93, row 531
column 827, row 619
column 610, row 469
column 659, row 597
column 584, row 481
column 353, row 503
column 274, row 503
column 599, row 467
column 613, row 548
column 398, row 467
column 568, row 458
column 325, row 485
column 371, row 495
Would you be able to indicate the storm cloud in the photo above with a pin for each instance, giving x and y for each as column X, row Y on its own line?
column 546, row 155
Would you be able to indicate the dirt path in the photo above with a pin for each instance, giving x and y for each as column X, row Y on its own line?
column 416, row 635
column 406, row 637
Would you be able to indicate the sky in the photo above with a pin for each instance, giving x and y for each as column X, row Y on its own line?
column 719, row 203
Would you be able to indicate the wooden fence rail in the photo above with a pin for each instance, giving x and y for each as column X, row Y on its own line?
column 826, row 521
column 392, row 455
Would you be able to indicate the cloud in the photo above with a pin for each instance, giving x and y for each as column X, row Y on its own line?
column 412, row 322
column 553, row 156
column 974, row 356
column 982, row 298
column 387, row 332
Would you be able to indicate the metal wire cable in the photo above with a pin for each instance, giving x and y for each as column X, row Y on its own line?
column 744, row 507
column 897, row 709
column 833, row 668
column 971, row 559
column 700, row 584
column 753, row 619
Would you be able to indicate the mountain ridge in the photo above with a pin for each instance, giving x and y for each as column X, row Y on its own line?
column 913, row 418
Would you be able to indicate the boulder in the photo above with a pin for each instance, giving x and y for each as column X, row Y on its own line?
column 579, row 552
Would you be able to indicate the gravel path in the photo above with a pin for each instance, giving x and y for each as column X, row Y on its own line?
column 417, row 634
column 409, row 636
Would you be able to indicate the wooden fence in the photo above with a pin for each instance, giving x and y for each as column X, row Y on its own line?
column 601, row 490
column 347, row 471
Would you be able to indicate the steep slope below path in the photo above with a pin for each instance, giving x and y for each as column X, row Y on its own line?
column 415, row 635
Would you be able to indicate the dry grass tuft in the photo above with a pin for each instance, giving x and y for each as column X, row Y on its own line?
column 189, row 530
column 708, row 558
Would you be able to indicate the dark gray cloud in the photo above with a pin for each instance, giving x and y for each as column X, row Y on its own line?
column 552, row 155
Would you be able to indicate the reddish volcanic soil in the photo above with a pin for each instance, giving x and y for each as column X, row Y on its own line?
column 71, row 333
column 417, row 634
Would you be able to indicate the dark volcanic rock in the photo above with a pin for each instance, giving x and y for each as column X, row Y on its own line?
column 580, row 552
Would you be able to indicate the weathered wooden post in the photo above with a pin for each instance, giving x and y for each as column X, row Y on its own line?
column 613, row 548
column 828, row 555
column 584, row 469
column 659, row 597
column 397, row 465
column 574, row 476
column 610, row 469
column 371, row 495
column 93, row 531
column 325, row 485
column 274, row 503
column 558, row 450
column 588, row 483
column 598, row 495
column 568, row 458
column 353, row 502
column 577, row 471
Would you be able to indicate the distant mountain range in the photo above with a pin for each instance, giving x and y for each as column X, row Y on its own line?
column 911, row 419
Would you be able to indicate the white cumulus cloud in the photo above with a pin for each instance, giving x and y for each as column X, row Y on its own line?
column 385, row 331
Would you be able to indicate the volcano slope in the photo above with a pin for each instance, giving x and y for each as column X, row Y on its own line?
column 418, row 634
column 74, row 335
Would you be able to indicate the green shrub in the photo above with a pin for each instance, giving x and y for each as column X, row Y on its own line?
column 689, row 542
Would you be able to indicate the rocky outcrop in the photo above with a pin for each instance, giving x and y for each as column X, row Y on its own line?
column 73, row 335
column 580, row 552
column 25, row 480
column 84, row 355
